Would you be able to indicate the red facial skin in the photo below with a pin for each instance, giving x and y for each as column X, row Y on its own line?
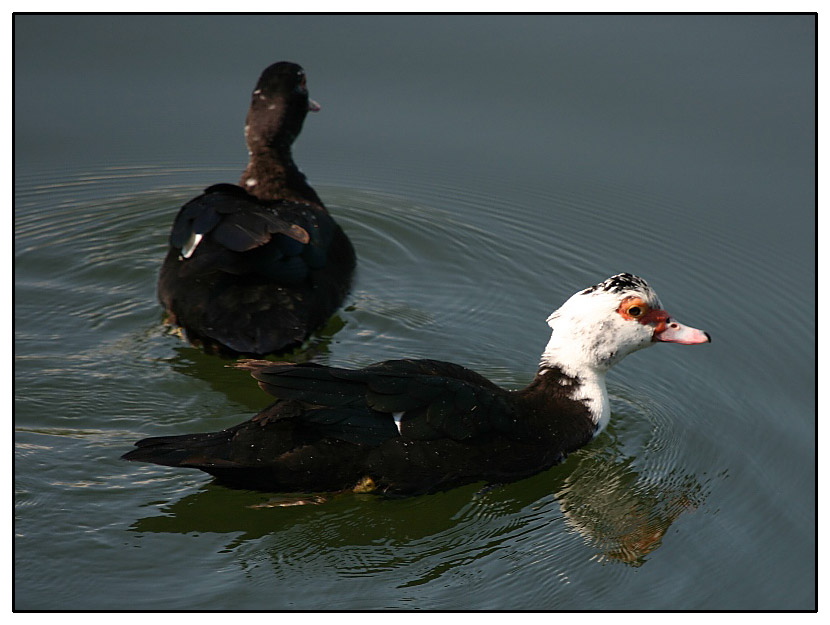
column 665, row 330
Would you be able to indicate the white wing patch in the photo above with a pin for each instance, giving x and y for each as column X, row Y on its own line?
column 397, row 417
column 190, row 246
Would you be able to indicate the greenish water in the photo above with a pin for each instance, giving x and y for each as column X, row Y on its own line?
column 483, row 178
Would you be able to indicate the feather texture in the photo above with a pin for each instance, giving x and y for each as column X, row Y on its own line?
column 256, row 270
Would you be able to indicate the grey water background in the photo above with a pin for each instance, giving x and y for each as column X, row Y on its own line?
column 486, row 167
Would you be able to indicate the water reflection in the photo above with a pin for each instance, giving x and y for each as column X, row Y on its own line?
column 238, row 385
column 620, row 514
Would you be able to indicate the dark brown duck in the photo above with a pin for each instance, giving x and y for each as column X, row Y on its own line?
column 256, row 268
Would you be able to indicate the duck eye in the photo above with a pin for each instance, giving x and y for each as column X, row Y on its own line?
column 633, row 308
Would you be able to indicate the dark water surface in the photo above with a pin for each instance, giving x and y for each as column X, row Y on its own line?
column 485, row 168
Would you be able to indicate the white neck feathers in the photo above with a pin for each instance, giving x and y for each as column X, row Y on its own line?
column 590, row 382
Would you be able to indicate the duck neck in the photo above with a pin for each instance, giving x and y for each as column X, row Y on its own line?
column 271, row 174
column 587, row 380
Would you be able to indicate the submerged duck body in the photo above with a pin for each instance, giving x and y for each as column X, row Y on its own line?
column 255, row 268
column 416, row 426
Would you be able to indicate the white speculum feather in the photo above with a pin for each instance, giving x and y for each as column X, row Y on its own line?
column 191, row 244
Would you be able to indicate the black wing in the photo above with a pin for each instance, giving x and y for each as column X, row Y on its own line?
column 415, row 399
column 278, row 240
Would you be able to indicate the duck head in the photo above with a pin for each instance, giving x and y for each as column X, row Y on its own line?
column 279, row 104
column 597, row 327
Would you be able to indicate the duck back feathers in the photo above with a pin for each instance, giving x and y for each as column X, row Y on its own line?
column 255, row 269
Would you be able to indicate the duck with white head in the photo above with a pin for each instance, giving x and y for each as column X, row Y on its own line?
column 598, row 327
column 416, row 426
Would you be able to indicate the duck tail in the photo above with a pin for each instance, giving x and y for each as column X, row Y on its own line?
column 186, row 450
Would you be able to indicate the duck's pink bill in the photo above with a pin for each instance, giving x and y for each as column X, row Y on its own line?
column 678, row 333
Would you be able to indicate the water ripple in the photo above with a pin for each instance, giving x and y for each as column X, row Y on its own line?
column 444, row 272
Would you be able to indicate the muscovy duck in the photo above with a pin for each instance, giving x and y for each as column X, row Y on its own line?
column 415, row 426
column 255, row 269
